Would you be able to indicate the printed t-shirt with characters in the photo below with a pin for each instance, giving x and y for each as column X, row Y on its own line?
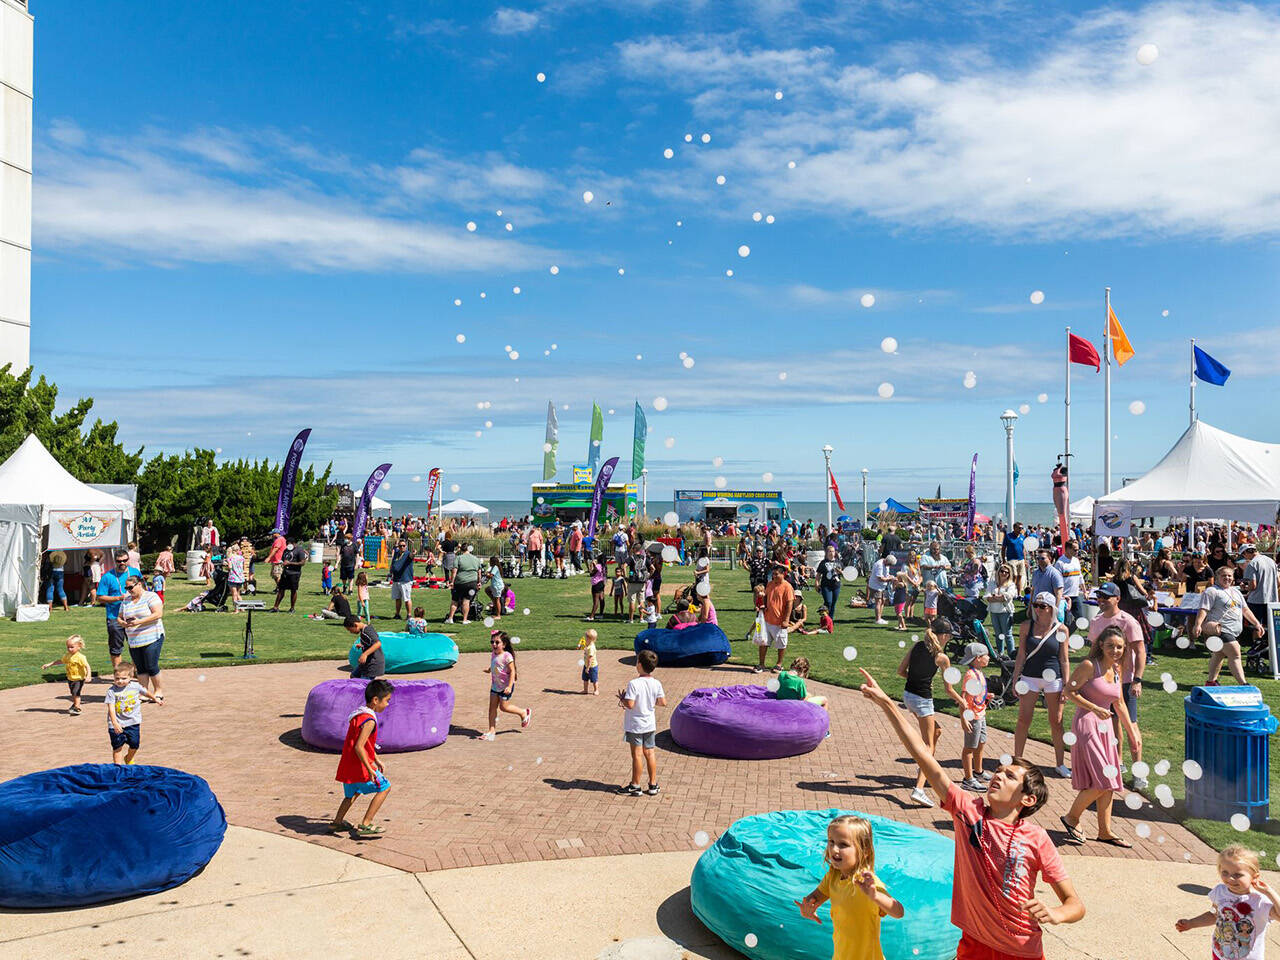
column 126, row 703
column 1240, row 932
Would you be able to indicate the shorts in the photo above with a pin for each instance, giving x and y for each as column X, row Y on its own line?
column 597, row 588
column 643, row 740
column 1041, row 685
column 130, row 735
column 75, row 686
column 289, row 580
column 591, row 674
column 920, row 706
column 971, row 949
column 116, row 637
column 930, row 611
column 977, row 734
column 462, row 591
column 276, row 570
column 379, row 784
column 146, row 659
column 500, row 694
column 773, row 636
column 1130, row 699
column 636, row 590
column 402, row 591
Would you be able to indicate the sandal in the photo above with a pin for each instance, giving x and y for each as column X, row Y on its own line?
column 1074, row 836
column 528, row 717
column 341, row 827
column 1116, row 842
column 369, row 830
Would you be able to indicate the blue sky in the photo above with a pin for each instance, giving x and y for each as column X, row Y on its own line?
column 246, row 225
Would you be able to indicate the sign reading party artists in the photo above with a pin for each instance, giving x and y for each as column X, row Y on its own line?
column 288, row 477
column 366, row 499
column 77, row 529
column 597, row 495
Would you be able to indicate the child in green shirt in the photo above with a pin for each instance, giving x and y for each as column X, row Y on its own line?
column 791, row 685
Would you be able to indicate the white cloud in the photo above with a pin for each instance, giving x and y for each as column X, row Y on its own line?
column 1109, row 146
column 509, row 20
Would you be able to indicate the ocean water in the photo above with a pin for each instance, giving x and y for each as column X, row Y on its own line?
column 800, row 509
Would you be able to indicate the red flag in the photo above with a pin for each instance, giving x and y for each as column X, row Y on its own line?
column 1082, row 351
column 835, row 489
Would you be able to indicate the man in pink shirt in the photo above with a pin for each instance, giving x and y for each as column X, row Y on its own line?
column 1134, row 662
column 534, row 548
column 275, row 556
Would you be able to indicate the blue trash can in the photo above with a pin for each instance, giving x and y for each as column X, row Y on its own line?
column 1226, row 734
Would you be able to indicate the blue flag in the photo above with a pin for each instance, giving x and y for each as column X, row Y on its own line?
column 1210, row 370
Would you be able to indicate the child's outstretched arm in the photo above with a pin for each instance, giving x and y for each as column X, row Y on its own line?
column 1206, row 919
column 1070, row 911
column 908, row 734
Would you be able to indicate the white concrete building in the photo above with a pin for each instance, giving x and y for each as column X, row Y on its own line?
column 17, row 47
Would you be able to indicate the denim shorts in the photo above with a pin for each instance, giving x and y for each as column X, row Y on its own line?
column 130, row 735
column 590, row 673
column 378, row 784
column 643, row 740
column 498, row 692
column 146, row 659
column 920, row 706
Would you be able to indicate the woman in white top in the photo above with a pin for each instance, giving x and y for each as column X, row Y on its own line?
column 141, row 615
column 1000, row 600
column 235, row 574
column 1042, row 667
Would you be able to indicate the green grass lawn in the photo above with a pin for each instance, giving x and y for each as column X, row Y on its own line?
column 556, row 608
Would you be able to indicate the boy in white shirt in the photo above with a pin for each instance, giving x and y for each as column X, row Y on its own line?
column 639, row 726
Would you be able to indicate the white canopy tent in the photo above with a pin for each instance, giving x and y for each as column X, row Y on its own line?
column 1207, row 473
column 463, row 508
column 1081, row 509
column 377, row 506
column 35, row 490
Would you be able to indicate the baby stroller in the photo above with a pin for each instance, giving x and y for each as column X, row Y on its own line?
column 215, row 598
column 1258, row 657
column 967, row 616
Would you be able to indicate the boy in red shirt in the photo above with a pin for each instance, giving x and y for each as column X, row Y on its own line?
column 359, row 769
column 998, row 853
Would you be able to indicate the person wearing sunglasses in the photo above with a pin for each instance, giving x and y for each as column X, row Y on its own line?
column 1040, row 669
column 112, row 593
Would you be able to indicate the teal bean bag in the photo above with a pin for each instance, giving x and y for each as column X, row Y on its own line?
column 744, row 885
column 413, row 652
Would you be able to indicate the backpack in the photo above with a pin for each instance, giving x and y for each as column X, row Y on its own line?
column 637, row 570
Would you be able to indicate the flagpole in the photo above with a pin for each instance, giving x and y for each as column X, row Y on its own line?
column 1066, row 436
column 1193, row 381
column 1106, row 394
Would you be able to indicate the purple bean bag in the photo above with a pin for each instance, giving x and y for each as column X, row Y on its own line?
column 417, row 718
column 747, row 723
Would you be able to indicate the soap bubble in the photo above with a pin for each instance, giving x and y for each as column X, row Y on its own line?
column 744, row 251
column 1213, row 644
column 671, row 518
column 1037, row 296
column 772, row 685
column 515, row 640
column 201, row 678
column 750, row 939
column 509, row 227
column 1161, row 767
column 1006, row 759
column 706, row 138
column 1240, row 821
column 587, row 196
column 703, row 588
column 1164, row 313
column 1024, row 408
column 554, row 270
column 687, row 362
column 728, row 273
column 659, row 403
column 541, row 77
column 720, row 180
column 850, row 572
column 1147, row 54
column 769, row 218
column 622, row 271
column 902, row 643
column 973, row 687
column 1021, row 688
column 1069, row 738
column 1133, row 801
column 433, row 729
column 970, row 380
column 1031, row 543
column 700, row 839
column 1182, row 642
column 782, row 375
column 461, row 338
column 669, row 442
column 791, row 164
column 668, row 153
column 1137, row 408
column 670, row 554
column 1109, row 770
column 525, row 611
column 703, row 563
column 1142, row 830
column 514, row 355
column 1155, row 618
column 889, row 345
column 885, row 390
column 867, row 300
column 1048, row 674
column 546, row 448
column 454, row 488
column 688, row 138
column 757, row 216
column 717, row 461
column 488, row 424
column 968, row 715
column 767, row 477
column 488, row 621
column 1192, row 770
column 952, row 675
column 851, row 653
column 721, row 483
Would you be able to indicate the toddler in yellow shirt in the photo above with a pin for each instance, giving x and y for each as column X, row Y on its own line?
column 77, row 667
column 590, row 663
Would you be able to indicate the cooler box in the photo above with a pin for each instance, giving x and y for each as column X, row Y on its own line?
column 1226, row 734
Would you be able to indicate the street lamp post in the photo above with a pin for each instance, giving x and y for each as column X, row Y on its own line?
column 865, row 471
column 644, row 492
column 826, row 453
column 1008, row 418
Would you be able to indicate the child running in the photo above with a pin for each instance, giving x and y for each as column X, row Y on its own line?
column 502, row 683
column 1240, row 907
column 590, row 663
column 858, row 898
column 76, row 666
column 973, row 719
column 639, row 725
column 998, row 853
column 359, row 769
column 124, row 713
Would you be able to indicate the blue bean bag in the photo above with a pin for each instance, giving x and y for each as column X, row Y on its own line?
column 747, row 723
column 413, row 652
column 702, row 645
column 100, row 831
column 417, row 718
column 746, row 882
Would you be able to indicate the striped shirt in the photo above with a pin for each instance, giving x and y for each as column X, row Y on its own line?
column 138, row 609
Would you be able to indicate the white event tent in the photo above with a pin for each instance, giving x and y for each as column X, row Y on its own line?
column 377, row 506
column 1081, row 509
column 462, row 508
column 35, row 491
column 1207, row 473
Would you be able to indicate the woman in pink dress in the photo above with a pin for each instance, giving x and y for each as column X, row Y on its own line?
column 1095, row 755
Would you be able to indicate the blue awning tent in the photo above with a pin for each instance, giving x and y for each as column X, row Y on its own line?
column 891, row 506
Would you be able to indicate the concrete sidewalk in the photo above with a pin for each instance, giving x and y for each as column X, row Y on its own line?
column 633, row 907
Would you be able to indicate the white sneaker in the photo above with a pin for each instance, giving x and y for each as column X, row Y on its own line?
column 1140, row 783
column 974, row 784
column 1064, row 771
column 985, row 776
column 881, row 622
column 922, row 798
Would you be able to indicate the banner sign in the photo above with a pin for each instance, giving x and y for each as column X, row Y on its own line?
column 582, row 475
column 366, row 500
column 944, row 508
column 288, row 476
column 433, row 478
column 637, row 442
column 1112, row 519
column 596, row 438
column 77, row 529
column 602, row 481
column 972, row 506
column 551, row 444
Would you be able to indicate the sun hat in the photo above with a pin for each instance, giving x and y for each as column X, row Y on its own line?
column 972, row 652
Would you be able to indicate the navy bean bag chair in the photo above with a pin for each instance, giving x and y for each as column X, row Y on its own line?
column 413, row 652
column 744, row 885
column 702, row 645
column 96, row 832
column 417, row 718
column 747, row 723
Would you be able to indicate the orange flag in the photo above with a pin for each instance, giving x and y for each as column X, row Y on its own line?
column 1120, row 344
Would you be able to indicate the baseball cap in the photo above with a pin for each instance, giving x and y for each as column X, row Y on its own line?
column 1109, row 589
column 942, row 626
column 972, row 652
column 1044, row 596
column 1249, row 548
